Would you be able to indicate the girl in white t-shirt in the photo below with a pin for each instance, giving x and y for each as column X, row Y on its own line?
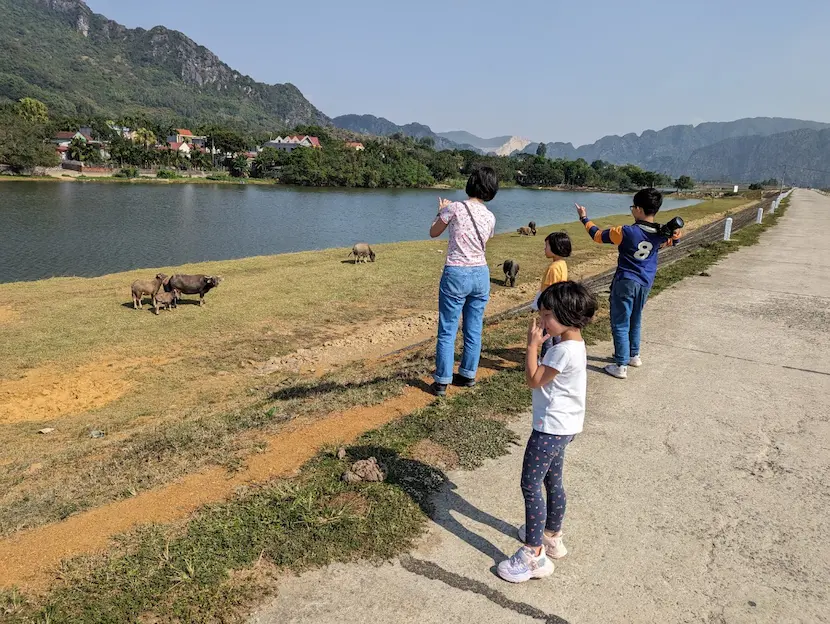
column 559, row 384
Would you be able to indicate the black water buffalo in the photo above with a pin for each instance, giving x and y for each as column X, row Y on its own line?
column 192, row 284
column 511, row 269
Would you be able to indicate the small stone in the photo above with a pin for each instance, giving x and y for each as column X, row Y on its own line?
column 752, row 603
column 46, row 430
column 341, row 453
column 97, row 433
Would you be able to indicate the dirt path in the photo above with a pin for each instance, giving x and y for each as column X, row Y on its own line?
column 31, row 557
column 697, row 493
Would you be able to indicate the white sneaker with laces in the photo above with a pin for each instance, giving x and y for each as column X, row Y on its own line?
column 620, row 372
column 636, row 361
column 554, row 547
column 525, row 565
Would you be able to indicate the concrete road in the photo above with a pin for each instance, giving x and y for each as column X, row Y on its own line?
column 699, row 491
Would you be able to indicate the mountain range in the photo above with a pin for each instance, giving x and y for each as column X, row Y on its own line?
column 709, row 151
column 82, row 64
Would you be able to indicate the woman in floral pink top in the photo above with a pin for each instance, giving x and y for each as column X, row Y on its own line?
column 465, row 283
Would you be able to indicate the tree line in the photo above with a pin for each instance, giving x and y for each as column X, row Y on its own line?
column 394, row 161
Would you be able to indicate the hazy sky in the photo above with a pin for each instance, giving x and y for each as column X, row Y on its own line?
column 544, row 69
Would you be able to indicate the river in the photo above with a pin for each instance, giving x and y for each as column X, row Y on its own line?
column 88, row 229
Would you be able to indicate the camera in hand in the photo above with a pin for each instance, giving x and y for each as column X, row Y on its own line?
column 671, row 227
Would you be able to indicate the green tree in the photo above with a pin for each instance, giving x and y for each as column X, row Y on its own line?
column 145, row 137
column 542, row 150
column 227, row 141
column 239, row 166
column 33, row 111
column 23, row 144
column 200, row 160
column 684, row 183
column 268, row 162
column 78, row 150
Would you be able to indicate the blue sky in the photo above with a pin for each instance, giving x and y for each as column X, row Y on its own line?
column 544, row 69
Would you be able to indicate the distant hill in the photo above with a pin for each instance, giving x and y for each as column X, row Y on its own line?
column 675, row 149
column 380, row 126
column 501, row 146
column 802, row 157
column 78, row 62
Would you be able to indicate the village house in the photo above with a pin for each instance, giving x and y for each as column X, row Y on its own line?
column 290, row 143
column 125, row 133
column 63, row 140
column 355, row 145
column 182, row 147
column 184, row 135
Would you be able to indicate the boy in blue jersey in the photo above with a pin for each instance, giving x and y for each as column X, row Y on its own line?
column 636, row 267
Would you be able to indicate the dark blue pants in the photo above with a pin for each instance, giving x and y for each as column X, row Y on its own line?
column 543, row 463
column 628, row 298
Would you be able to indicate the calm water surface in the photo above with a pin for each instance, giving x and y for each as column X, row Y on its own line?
column 88, row 229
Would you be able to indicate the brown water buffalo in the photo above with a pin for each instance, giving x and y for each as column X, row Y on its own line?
column 166, row 300
column 362, row 251
column 192, row 284
column 525, row 231
column 150, row 287
column 511, row 270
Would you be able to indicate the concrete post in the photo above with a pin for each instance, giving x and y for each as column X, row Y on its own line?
column 727, row 230
column 760, row 217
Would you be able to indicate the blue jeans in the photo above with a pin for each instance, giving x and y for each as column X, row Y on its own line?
column 628, row 298
column 464, row 291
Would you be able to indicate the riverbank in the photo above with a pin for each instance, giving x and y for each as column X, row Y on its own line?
column 456, row 184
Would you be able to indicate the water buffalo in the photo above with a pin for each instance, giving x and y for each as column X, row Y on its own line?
column 192, row 285
column 511, row 269
column 146, row 287
column 361, row 251
column 532, row 226
column 166, row 300
column 526, row 231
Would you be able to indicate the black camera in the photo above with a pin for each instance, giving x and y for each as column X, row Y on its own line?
column 671, row 227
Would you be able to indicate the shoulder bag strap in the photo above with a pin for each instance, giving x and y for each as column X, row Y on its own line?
column 480, row 239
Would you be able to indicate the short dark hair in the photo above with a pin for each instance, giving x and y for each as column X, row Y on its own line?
column 571, row 303
column 483, row 184
column 560, row 243
column 649, row 199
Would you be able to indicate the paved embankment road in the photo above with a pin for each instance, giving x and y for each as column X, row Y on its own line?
column 699, row 491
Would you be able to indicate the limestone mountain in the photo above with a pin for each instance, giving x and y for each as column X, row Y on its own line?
column 801, row 157
column 79, row 62
column 686, row 149
column 500, row 146
column 380, row 126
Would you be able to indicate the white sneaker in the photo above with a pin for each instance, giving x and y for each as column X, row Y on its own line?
column 635, row 361
column 620, row 372
column 554, row 547
column 524, row 565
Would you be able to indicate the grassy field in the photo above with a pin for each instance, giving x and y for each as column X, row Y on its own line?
column 230, row 554
column 176, row 392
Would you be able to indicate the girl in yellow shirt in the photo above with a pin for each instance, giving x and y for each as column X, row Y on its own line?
column 557, row 248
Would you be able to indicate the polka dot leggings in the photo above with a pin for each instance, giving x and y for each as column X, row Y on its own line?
column 544, row 459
